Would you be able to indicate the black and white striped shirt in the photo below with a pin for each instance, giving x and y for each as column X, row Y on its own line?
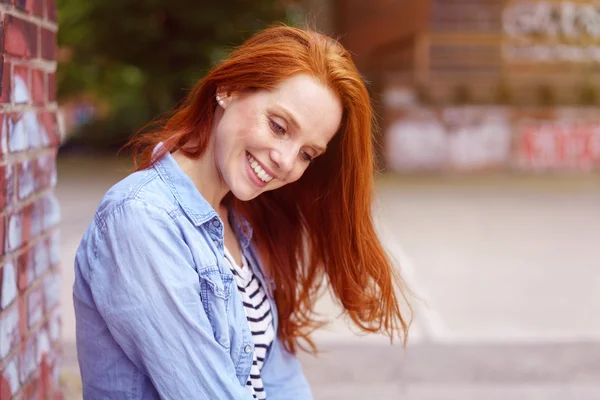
column 260, row 319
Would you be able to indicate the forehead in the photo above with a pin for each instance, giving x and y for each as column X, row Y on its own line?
column 315, row 106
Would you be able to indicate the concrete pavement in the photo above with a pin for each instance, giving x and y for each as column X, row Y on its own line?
column 508, row 271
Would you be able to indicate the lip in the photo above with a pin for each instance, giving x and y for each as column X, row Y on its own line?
column 263, row 166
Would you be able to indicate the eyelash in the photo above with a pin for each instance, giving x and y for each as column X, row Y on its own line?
column 276, row 128
column 306, row 157
column 279, row 130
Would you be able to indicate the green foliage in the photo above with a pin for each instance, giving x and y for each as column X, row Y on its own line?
column 139, row 57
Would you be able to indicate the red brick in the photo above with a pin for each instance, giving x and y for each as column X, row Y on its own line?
column 2, row 186
column 11, row 188
column 2, row 234
column 17, row 136
column 37, row 213
column 35, row 306
column 31, row 6
column 25, row 179
column 45, row 377
column 2, row 37
column 48, row 364
column 32, row 130
column 23, row 331
column 19, row 228
column 9, row 379
column 25, row 271
column 6, row 80
column 41, row 257
column 3, row 134
column 51, row 10
column 9, row 331
column 7, row 186
column 38, row 7
column 48, row 44
column 30, row 391
column 21, row 5
column 51, row 79
column 45, row 172
column 21, row 85
column 27, row 220
column 14, row 231
column 8, row 285
column 38, row 87
column 50, row 133
column 27, row 359
column 1, row 70
column 21, row 37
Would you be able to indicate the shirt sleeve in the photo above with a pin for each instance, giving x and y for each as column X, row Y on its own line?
column 148, row 292
column 285, row 381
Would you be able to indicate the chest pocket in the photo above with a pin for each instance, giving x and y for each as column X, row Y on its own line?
column 215, row 290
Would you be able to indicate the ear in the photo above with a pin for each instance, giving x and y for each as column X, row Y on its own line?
column 223, row 97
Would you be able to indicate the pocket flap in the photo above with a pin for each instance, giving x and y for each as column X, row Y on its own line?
column 219, row 283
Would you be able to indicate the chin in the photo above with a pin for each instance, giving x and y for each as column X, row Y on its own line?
column 245, row 194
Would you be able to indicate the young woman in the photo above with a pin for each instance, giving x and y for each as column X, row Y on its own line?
column 198, row 275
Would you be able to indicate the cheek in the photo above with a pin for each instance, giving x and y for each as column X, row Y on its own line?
column 247, row 121
column 295, row 174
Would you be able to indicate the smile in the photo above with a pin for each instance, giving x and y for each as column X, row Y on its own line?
column 258, row 170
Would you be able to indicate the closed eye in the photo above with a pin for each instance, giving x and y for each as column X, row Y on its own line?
column 306, row 157
column 276, row 128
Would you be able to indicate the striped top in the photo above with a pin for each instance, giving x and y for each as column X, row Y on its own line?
column 260, row 319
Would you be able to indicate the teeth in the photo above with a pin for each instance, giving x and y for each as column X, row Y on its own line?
column 263, row 176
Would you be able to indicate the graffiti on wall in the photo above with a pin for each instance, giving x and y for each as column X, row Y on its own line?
column 483, row 138
column 558, row 145
column 545, row 31
column 465, row 138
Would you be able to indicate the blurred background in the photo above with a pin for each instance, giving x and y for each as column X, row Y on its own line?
column 489, row 196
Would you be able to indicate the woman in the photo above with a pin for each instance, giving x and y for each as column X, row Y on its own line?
column 198, row 275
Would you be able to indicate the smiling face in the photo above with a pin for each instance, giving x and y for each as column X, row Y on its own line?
column 266, row 139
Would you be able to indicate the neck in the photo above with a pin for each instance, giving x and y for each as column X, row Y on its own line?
column 205, row 175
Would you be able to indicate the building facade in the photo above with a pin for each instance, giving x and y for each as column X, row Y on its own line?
column 476, row 84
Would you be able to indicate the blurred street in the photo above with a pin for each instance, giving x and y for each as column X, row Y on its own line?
column 507, row 270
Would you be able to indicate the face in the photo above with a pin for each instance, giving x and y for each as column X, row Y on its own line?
column 267, row 139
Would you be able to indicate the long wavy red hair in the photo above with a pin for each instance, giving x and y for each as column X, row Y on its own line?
column 317, row 232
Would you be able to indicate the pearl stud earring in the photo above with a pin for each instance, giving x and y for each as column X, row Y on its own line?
column 219, row 100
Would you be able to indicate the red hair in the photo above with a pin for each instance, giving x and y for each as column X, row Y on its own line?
column 319, row 226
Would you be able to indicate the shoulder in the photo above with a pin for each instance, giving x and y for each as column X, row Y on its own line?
column 131, row 215
column 141, row 194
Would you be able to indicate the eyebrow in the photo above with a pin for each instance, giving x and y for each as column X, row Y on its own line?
column 288, row 115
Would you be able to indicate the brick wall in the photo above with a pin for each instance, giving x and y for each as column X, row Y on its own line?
column 29, row 212
column 368, row 28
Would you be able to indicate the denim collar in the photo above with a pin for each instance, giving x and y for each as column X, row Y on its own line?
column 195, row 206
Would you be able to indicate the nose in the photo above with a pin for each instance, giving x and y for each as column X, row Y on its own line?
column 284, row 156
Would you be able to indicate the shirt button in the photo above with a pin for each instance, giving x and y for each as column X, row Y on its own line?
column 216, row 242
column 248, row 348
column 216, row 223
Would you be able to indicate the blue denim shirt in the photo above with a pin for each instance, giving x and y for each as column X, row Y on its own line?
column 158, row 314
